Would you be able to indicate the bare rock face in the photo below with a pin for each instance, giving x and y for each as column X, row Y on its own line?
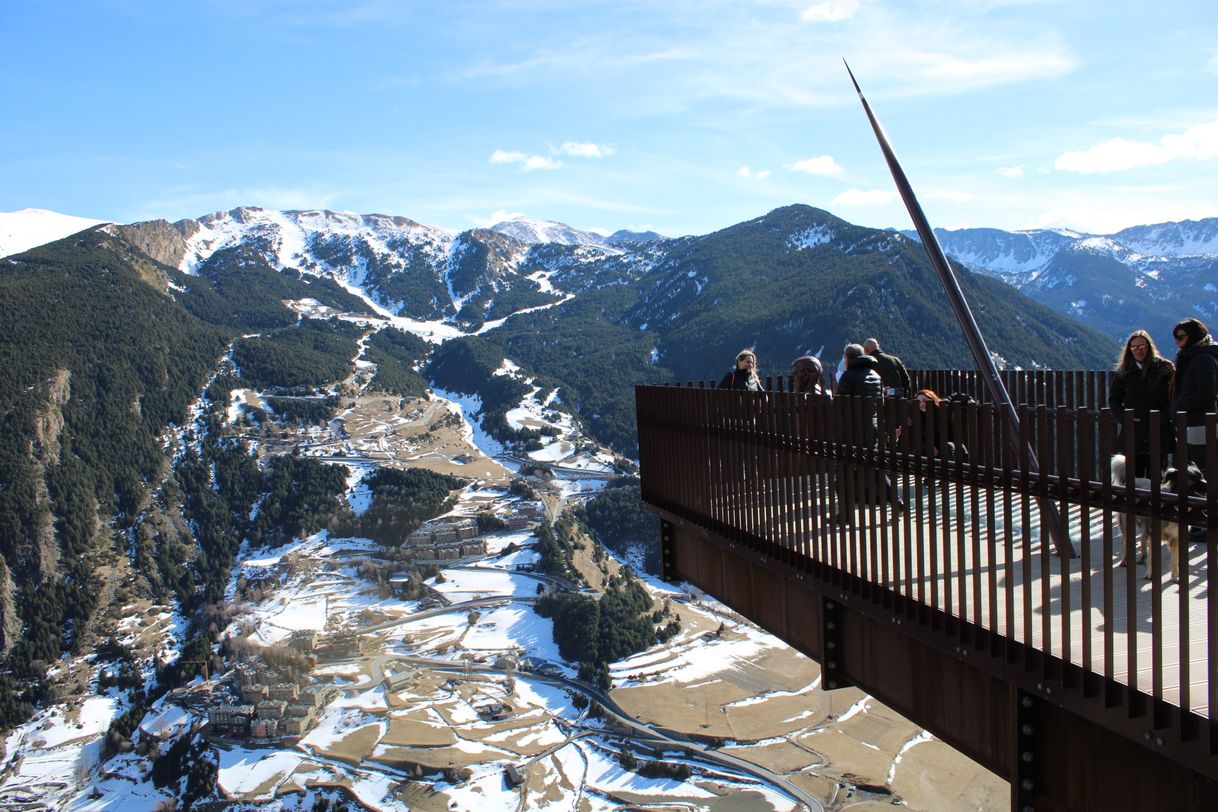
column 48, row 425
column 10, row 620
column 159, row 239
column 44, row 452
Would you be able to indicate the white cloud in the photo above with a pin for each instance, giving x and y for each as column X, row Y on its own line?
column 578, row 150
column 1011, row 171
column 820, row 165
column 501, row 156
column 527, row 162
column 747, row 172
column 830, row 11
column 1118, row 154
column 717, row 56
column 859, row 197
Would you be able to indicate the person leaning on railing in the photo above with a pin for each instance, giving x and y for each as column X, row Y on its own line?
column 1142, row 384
column 744, row 375
column 933, row 442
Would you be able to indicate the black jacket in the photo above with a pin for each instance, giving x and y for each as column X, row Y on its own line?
column 1196, row 382
column 1143, row 391
column 861, row 378
column 740, row 379
column 893, row 373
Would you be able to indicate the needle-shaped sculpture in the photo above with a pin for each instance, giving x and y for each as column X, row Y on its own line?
column 964, row 315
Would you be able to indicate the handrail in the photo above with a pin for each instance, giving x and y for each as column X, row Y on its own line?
column 772, row 470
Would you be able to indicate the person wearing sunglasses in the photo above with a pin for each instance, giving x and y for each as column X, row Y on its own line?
column 1142, row 384
column 1195, row 390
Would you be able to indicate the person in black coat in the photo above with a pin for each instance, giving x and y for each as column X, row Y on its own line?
column 1142, row 384
column 861, row 379
column 744, row 374
column 1195, row 390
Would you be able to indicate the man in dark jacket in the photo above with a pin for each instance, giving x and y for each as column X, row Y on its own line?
column 861, row 378
column 893, row 373
column 1196, row 384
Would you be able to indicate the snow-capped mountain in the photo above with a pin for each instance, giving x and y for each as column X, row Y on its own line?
column 1145, row 276
column 404, row 268
column 24, row 229
column 1189, row 238
column 533, row 232
column 1014, row 257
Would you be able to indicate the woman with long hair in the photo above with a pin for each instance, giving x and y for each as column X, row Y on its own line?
column 744, row 374
column 934, row 443
column 1142, row 384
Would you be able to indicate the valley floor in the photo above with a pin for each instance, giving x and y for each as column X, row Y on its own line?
column 438, row 698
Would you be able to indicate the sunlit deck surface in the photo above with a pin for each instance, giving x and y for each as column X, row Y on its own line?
column 990, row 580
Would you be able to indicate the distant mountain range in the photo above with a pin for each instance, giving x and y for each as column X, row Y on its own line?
column 110, row 335
column 1145, row 276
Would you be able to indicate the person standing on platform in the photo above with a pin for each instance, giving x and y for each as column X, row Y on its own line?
column 1195, row 389
column 807, row 375
column 893, row 373
column 744, row 374
column 861, row 379
column 1142, row 384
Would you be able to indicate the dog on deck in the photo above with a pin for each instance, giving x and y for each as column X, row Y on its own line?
column 1189, row 481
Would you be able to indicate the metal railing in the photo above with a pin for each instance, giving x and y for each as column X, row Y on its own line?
column 827, row 486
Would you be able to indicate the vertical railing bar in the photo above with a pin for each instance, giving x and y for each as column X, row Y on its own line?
column 1046, row 559
column 1107, row 430
column 985, row 449
column 973, row 437
column 1211, row 573
column 1086, row 476
column 917, row 443
column 1128, row 546
column 1025, row 431
column 1065, row 470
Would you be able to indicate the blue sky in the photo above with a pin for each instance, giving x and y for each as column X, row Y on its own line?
column 683, row 117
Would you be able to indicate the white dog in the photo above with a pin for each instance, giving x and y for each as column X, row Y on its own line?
column 1194, row 483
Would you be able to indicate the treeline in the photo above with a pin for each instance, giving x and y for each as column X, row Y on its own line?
column 586, row 348
column 597, row 632
column 236, row 287
column 617, row 519
column 556, row 546
column 95, row 361
column 617, row 515
column 398, row 356
column 401, row 501
column 311, row 410
column 468, row 365
column 314, row 353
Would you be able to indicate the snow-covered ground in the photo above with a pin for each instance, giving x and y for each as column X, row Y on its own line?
column 28, row 228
